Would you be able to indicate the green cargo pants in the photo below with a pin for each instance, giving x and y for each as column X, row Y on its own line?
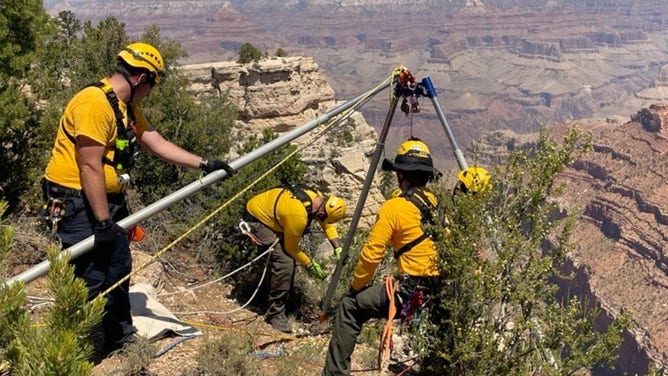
column 281, row 269
column 353, row 312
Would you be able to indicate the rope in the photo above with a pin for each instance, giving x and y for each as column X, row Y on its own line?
column 386, row 336
column 344, row 115
column 264, row 273
column 271, row 248
column 265, row 354
column 172, row 345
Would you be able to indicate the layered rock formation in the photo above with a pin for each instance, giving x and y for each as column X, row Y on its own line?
column 284, row 93
column 621, row 239
column 496, row 64
column 623, row 236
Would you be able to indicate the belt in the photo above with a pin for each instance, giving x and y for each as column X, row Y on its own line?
column 60, row 190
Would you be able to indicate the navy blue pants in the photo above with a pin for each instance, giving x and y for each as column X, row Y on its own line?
column 100, row 268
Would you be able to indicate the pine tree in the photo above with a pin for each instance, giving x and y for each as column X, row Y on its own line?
column 248, row 53
column 61, row 345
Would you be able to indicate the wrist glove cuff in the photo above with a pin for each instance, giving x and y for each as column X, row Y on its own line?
column 216, row 164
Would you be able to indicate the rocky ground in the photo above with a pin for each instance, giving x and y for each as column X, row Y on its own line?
column 270, row 352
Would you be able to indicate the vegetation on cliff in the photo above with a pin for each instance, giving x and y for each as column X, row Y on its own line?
column 497, row 312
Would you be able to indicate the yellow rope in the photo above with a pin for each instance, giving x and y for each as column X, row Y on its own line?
column 329, row 124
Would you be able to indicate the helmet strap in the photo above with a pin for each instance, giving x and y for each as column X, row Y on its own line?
column 131, row 85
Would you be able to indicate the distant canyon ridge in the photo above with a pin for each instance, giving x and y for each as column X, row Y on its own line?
column 496, row 64
column 501, row 68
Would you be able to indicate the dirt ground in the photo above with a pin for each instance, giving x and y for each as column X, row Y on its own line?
column 207, row 309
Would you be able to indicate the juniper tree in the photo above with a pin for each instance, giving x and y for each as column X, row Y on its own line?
column 60, row 346
column 498, row 311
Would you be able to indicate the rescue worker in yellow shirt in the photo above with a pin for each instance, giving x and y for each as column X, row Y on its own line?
column 284, row 214
column 399, row 223
column 95, row 146
column 472, row 181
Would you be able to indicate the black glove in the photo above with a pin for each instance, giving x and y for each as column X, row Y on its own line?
column 351, row 292
column 216, row 164
column 107, row 231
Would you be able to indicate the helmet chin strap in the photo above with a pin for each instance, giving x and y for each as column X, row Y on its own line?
column 401, row 178
column 132, row 88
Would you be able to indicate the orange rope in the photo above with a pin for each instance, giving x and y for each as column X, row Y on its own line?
column 386, row 336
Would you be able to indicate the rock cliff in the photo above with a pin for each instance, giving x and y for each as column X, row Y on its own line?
column 284, row 93
column 496, row 64
column 622, row 236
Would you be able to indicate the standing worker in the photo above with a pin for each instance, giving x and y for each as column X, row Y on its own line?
column 400, row 223
column 84, row 181
column 279, row 217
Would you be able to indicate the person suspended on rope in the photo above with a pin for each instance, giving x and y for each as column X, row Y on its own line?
column 472, row 181
column 285, row 213
column 85, row 179
column 400, row 222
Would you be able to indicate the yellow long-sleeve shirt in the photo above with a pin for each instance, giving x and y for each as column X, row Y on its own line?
column 282, row 212
column 398, row 223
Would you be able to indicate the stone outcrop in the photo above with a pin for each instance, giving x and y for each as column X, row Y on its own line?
column 623, row 236
column 284, row 93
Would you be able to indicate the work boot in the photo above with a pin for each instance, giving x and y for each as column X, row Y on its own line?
column 120, row 343
column 280, row 322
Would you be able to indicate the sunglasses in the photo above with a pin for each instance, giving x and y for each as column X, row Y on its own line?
column 321, row 213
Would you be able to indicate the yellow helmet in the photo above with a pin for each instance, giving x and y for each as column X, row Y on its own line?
column 475, row 179
column 335, row 208
column 412, row 155
column 143, row 55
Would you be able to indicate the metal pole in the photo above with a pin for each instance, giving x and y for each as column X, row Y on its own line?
column 87, row 244
column 358, row 209
column 431, row 93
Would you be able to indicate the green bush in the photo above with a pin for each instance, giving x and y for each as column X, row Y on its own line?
column 227, row 355
column 61, row 346
column 248, row 53
column 498, row 313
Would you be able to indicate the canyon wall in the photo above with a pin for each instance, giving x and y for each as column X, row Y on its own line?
column 284, row 93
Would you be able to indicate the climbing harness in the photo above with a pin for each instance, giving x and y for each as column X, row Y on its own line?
column 428, row 211
column 125, row 146
column 409, row 309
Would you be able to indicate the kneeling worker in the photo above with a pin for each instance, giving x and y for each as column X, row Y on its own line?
column 400, row 224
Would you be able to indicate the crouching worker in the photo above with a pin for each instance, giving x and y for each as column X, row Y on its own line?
column 400, row 224
column 279, row 217
column 85, row 179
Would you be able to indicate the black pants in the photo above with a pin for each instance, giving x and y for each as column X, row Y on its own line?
column 354, row 311
column 100, row 268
